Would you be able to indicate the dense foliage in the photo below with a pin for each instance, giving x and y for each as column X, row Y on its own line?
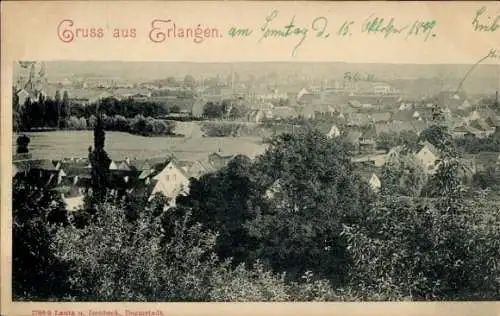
column 297, row 223
column 59, row 112
column 37, row 273
column 402, row 174
column 474, row 145
column 287, row 208
column 99, row 161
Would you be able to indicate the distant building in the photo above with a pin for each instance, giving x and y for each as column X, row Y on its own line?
column 219, row 160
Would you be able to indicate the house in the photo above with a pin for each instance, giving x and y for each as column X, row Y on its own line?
column 483, row 129
column 301, row 93
column 198, row 168
column 370, row 174
column 74, row 199
column 171, row 182
column 41, row 168
column 367, row 141
column 375, row 183
column 308, row 98
column 113, row 166
column 355, row 104
column 219, row 160
column 460, row 131
column 334, row 132
column 376, row 159
column 480, row 162
column 428, row 155
column 124, row 165
column 404, row 106
column 486, row 114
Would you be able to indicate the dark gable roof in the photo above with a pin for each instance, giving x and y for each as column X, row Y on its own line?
column 139, row 165
column 462, row 112
column 429, row 146
column 34, row 164
column 486, row 113
column 460, row 129
column 481, row 125
column 221, row 155
column 75, row 169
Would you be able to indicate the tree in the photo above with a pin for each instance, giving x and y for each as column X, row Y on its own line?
column 213, row 110
column 65, row 106
column 171, row 81
column 189, row 81
column 174, row 109
column 114, row 259
column 287, row 207
column 37, row 213
column 438, row 136
column 99, row 161
column 22, row 144
column 58, row 101
column 413, row 248
column 403, row 175
column 310, row 190
column 220, row 201
column 27, row 116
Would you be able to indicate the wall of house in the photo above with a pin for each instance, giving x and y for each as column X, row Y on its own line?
column 171, row 182
column 427, row 158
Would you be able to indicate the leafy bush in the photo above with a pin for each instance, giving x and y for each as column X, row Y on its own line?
column 37, row 273
column 114, row 259
column 403, row 175
column 411, row 248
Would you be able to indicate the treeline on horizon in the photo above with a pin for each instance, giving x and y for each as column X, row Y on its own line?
column 126, row 115
column 298, row 223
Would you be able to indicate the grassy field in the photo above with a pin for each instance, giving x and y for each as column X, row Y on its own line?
column 62, row 144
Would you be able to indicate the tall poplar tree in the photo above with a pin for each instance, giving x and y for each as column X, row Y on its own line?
column 99, row 161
